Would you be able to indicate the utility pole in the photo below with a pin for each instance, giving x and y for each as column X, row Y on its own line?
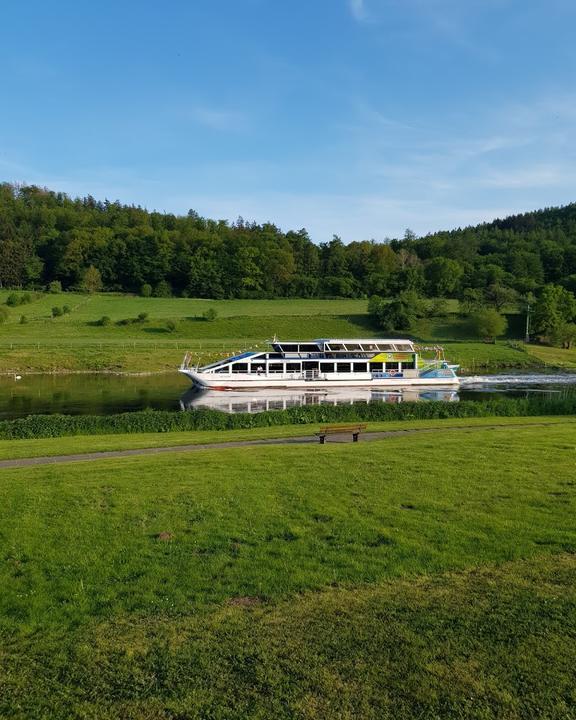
column 527, row 337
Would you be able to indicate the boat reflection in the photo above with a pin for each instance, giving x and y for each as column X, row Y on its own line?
column 254, row 401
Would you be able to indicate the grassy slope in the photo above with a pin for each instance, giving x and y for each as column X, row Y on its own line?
column 73, row 342
column 13, row 449
column 102, row 619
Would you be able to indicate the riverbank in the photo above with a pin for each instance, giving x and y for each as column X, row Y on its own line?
column 142, row 357
column 127, row 334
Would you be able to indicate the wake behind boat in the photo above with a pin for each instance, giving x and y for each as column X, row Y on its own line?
column 325, row 363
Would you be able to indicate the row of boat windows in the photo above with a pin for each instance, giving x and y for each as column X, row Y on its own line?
column 344, row 347
column 323, row 367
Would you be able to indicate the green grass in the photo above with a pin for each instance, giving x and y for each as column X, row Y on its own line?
column 421, row 576
column 73, row 342
column 14, row 449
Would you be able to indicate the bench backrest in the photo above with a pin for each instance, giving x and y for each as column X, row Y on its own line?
column 342, row 428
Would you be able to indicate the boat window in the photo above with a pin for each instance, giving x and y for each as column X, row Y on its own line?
column 292, row 367
column 225, row 369
column 310, row 365
column 289, row 348
column 240, row 367
column 376, row 366
column 326, row 367
column 392, row 366
column 336, row 347
column 352, row 347
column 343, row 367
column 408, row 365
column 360, row 367
column 370, row 347
column 385, row 347
column 308, row 348
column 404, row 348
column 276, row 367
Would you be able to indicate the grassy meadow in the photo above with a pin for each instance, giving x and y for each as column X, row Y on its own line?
column 428, row 576
column 75, row 342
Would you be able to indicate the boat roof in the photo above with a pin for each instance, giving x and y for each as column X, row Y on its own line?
column 324, row 341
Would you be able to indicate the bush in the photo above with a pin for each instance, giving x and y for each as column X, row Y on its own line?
column 146, row 290
column 210, row 315
column 13, row 300
column 4, row 315
column 38, row 426
column 163, row 290
column 66, row 309
column 57, row 312
column 104, row 320
column 23, row 320
column 142, row 317
column 171, row 326
column 55, row 287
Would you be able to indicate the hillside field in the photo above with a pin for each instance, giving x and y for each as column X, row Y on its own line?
column 365, row 581
column 75, row 342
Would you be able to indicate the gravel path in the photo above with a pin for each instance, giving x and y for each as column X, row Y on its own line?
column 303, row 440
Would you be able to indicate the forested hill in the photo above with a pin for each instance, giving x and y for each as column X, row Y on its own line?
column 46, row 236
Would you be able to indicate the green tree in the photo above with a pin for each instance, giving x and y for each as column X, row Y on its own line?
column 92, row 280
column 488, row 324
column 555, row 307
column 146, row 290
column 443, row 276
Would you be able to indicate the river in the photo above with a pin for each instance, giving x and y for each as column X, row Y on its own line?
column 105, row 394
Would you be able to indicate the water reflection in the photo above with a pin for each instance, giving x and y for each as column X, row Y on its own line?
column 100, row 394
column 242, row 401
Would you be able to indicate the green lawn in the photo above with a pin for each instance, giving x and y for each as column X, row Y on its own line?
column 74, row 342
column 426, row 576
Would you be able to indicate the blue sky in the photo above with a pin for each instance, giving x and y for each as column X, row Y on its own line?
column 354, row 117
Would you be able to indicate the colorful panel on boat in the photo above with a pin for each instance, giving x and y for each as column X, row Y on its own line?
column 392, row 356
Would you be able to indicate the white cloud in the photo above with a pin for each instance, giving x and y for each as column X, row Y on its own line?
column 217, row 119
column 358, row 9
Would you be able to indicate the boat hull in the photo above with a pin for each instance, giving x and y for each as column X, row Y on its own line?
column 214, row 382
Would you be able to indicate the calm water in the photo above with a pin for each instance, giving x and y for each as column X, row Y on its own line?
column 105, row 394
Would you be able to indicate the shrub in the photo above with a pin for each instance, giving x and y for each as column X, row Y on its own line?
column 146, row 290
column 26, row 298
column 104, row 320
column 4, row 315
column 23, row 320
column 55, row 287
column 37, row 426
column 163, row 289
column 171, row 326
column 142, row 317
column 66, row 309
column 57, row 312
column 13, row 300
column 210, row 315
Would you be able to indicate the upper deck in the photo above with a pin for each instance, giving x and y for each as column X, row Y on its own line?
column 332, row 347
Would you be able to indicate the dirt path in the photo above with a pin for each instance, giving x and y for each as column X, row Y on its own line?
column 302, row 440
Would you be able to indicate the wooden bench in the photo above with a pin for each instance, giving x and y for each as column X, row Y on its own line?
column 340, row 430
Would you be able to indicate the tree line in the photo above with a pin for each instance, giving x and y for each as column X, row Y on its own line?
column 49, row 237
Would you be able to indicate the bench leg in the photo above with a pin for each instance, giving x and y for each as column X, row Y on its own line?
column 355, row 437
column 322, row 438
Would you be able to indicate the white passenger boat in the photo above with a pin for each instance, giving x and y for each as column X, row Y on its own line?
column 325, row 364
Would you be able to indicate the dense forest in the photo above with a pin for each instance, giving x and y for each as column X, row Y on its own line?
column 47, row 236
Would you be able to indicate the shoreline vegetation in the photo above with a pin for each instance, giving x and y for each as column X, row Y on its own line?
column 161, row 421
